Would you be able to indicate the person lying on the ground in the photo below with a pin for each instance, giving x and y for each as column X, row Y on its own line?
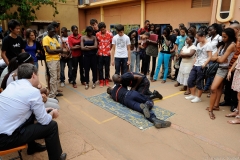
column 20, row 104
column 137, row 102
column 137, row 82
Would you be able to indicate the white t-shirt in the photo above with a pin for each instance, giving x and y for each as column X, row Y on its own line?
column 214, row 42
column 121, row 43
column 201, row 53
column 187, row 50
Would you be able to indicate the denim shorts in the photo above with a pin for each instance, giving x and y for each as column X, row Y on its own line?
column 222, row 72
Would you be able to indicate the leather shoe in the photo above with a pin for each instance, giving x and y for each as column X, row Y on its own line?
column 232, row 108
column 157, row 94
column 160, row 123
column 37, row 148
column 224, row 103
column 63, row 156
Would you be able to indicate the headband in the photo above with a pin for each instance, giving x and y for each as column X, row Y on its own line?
column 27, row 58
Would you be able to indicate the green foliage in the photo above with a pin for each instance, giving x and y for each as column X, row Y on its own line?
column 26, row 9
column 83, row 32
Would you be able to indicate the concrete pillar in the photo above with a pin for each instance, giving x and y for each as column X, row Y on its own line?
column 101, row 14
column 143, row 12
column 214, row 10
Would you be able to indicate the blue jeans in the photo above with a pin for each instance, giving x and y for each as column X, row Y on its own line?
column 36, row 64
column 135, row 59
column 162, row 57
column 62, row 68
column 121, row 65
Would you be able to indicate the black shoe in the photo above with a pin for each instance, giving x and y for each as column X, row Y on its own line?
column 145, row 109
column 59, row 94
column 232, row 109
column 37, row 148
column 63, row 156
column 157, row 94
column 160, row 123
column 224, row 103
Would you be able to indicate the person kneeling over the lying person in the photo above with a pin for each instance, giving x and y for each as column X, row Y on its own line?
column 137, row 102
column 137, row 82
column 20, row 104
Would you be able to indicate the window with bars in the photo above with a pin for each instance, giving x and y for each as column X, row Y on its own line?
column 201, row 3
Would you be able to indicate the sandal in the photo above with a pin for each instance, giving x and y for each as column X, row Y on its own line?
column 153, row 80
column 212, row 116
column 86, row 86
column 183, row 89
column 215, row 108
column 234, row 114
column 74, row 85
column 93, row 86
column 235, row 121
column 59, row 90
column 177, row 84
column 209, row 95
column 164, row 81
column 187, row 93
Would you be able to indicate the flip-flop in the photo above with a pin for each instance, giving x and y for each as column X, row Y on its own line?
column 235, row 121
column 214, row 108
column 164, row 81
column 153, row 80
column 232, row 114
column 182, row 89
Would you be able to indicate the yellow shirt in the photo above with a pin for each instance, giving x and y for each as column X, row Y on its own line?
column 52, row 43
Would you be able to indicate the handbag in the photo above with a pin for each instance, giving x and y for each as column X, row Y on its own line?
column 212, row 69
column 66, row 50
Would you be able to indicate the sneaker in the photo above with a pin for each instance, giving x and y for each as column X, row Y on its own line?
column 190, row 97
column 107, row 82
column 62, row 84
column 196, row 99
column 101, row 84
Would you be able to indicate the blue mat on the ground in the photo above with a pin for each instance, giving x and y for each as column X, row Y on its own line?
column 135, row 118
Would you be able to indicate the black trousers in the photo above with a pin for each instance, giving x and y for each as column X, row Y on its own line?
column 75, row 62
column 30, row 132
column 230, row 96
column 90, row 62
column 104, row 61
column 147, row 63
column 143, row 87
column 177, row 69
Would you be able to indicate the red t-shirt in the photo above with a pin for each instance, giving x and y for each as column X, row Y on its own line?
column 142, row 29
column 104, row 43
column 73, row 41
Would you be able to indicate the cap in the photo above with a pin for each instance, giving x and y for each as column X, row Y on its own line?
column 234, row 21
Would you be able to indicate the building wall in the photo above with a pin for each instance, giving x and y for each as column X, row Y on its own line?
column 236, row 15
column 68, row 14
column 175, row 11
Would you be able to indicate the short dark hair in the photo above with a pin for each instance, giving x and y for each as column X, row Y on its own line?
column 181, row 25
column 201, row 33
column 170, row 27
column 101, row 25
column 185, row 29
column 193, row 26
column 55, row 24
column 146, row 21
column 12, row 24
column 89, row 29
column 192, row 38
column 26, row 70
column 50, row 26
column 73, row 27
column 93, row 21
column 63, row 29
column 119, row 27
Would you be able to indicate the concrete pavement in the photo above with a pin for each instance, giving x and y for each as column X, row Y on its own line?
column 88, row 132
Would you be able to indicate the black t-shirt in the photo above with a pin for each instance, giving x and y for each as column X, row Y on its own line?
column 128, row 79
column 12, row 46
column 118, row 93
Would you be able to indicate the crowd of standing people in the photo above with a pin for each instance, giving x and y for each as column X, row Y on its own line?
column 205, row 60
